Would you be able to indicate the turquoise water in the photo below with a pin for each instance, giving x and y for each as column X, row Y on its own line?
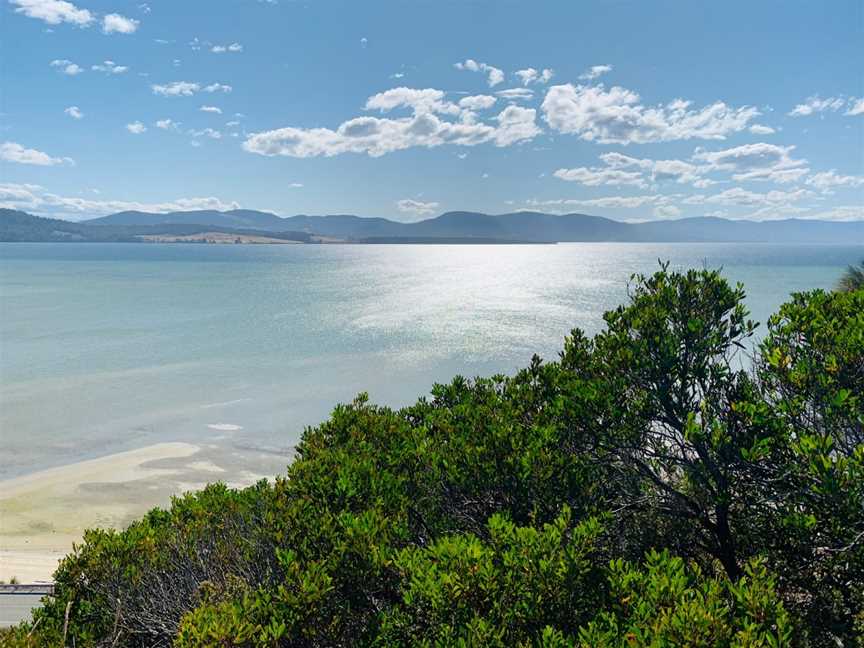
column 107, row 347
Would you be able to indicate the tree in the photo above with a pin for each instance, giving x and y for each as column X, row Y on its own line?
column 852, row 279
column 669, row 357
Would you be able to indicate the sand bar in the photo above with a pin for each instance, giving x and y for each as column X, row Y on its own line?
column 44, row 513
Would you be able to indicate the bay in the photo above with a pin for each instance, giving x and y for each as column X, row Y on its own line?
column 109, row 347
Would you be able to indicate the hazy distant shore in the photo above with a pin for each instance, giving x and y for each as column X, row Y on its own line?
column 44, row 513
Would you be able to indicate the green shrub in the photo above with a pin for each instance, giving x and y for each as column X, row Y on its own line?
column 668, row 603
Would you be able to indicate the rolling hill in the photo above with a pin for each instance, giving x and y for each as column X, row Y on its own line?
column 517, row 226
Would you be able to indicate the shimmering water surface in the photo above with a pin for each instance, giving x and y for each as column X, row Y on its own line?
column 107, row 347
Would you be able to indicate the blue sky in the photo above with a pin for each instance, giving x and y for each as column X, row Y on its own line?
column 628, row 109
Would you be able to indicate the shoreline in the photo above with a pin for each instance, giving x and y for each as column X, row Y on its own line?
column 43, row 513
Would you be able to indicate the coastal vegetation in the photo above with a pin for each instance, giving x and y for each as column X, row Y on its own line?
column 853, row 278
column 671, row 481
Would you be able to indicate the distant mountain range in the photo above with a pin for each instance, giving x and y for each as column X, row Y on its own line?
column 451, row 227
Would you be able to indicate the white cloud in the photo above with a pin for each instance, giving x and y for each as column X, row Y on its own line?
column 477, row 102
column 594, row 72
column 615, row 116
column 218, row 87
column 661, row 170
column 187, row 88
column 842, row 213
column 116, row 24
column 515, row 124
column 220, row 49
column 515, row 94
column 774, row 212
column 14, row 152
column 36, row 199
column 740, row 196
column 176, row 89
column 416, row 207
column 379, row 136
column 207, row 132
column 596, row 176
column 109, row 67
column 759, row 129
column 530, row 75
column 666, row 211
column 136, row 128
column 53, row 12
column 428, row 100
column 758, row 161
column 494, row 75
column 856, row 107
column 527, row 75
column 827, row 179
column 167, row 124
column 67, row 67
column 74, row 112
column 211, row 109
column 816, row 105
column 607, row 202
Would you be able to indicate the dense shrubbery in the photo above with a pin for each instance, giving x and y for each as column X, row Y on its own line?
column 649, row 488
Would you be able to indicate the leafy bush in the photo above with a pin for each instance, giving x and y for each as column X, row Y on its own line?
column 667, row 603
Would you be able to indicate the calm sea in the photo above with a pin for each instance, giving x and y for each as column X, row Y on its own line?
column 108, row 347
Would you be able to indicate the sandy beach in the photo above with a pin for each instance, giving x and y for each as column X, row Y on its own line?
column 42, row 514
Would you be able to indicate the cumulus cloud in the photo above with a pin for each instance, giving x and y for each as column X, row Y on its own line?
column 530, row 75
column 218, row 87
column 815, row 105
column 607, row 202
column 211, row 109
column 109, row 67
column 67, row 67
column 167, row 124
column 477, row 102
column 594, row 72
column 74, row 112
column 826, row 180
column 760, row 129
column 740, row 196
column 596, row 176
column 515, row 94
column 136, row 128
column 53, row 12
column 221, row 49
column 428, row 100
column 14, row 152
column 494, row 75
column 187, row 88
column 758, row 161
column 856, row 107
column 36, row 199
column 416, row 207
column 661, row 170
column 378, row 136
column 116, row 24
column 615, row 116
column 842, row 213
column 207, row 132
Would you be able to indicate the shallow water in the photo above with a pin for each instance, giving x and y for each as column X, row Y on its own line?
column 107, row 347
